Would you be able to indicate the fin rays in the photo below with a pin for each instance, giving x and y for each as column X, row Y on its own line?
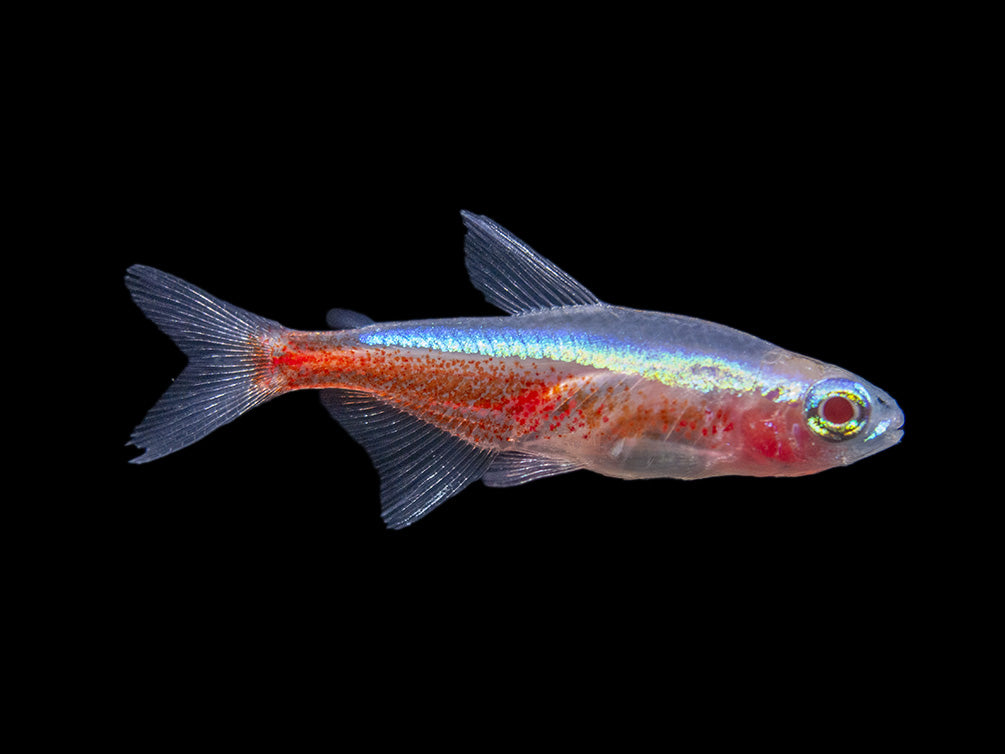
column 420, row 465
column 223, row 377
column 512, row 275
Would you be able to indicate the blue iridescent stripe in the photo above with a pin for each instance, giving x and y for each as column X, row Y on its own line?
column 697, row 371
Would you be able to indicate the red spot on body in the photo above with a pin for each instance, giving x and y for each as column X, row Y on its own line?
column 288, row 360
column 776, row 435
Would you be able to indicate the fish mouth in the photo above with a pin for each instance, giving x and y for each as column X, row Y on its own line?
column 889, row 429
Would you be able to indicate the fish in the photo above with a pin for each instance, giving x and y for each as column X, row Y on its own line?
column 561, row 382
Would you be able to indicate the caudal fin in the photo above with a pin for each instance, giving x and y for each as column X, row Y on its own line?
column 228, row 362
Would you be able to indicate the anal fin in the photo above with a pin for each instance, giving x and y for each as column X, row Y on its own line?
column 420, row 465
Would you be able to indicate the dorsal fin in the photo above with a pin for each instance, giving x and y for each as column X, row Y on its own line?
column 512, row 275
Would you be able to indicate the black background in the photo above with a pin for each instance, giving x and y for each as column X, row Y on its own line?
column 796, row 202
column 792, row 270
column 794, row 235
column 787, row 244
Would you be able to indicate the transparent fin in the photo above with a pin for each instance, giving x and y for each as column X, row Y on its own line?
column 226, row 373
column 513, row 468
column 512, row 275
column 346, row 319
column 420, row 466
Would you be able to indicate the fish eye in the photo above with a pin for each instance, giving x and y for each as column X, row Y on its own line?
column 837, row 409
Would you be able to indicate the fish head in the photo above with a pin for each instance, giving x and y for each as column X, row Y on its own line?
column 822, row 418
column 848, row 419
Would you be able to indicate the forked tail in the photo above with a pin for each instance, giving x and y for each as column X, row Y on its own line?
column 228, row 362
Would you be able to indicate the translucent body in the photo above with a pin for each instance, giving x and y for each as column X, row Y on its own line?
column 564, row 383
column 618, row 391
